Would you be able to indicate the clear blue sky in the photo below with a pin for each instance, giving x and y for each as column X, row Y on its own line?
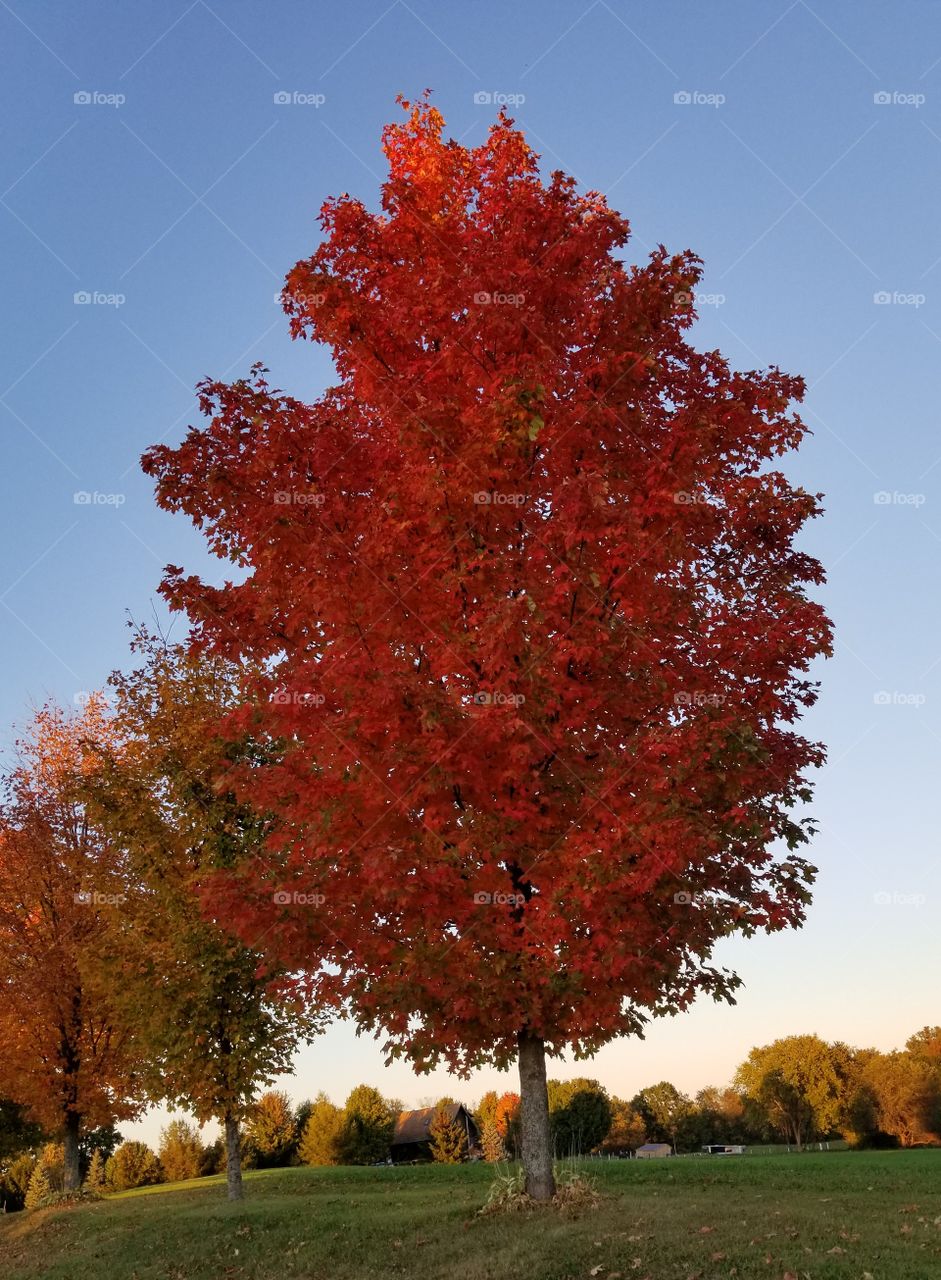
column 181, row 192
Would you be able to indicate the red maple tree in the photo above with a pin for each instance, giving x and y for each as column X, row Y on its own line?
column 534, row 623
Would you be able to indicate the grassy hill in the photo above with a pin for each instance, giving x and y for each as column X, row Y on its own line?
column 835, row 1216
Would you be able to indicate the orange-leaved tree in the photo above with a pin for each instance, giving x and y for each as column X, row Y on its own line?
column 532, row 623
column 67, row 1055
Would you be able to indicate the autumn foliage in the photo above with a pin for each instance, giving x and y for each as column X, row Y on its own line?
column 531, row 622
column 67, row 1056
column 215, row 1029
column 447, row 1133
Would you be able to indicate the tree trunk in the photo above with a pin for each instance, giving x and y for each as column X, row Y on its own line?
column 233, row 1158
column 72, row 1169
column 536, row 1139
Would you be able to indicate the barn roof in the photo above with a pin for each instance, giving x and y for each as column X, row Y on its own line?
column 414, row 1126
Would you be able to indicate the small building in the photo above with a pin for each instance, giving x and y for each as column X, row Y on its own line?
column 653, row 1151
column 411, row 1140
column 723, row 1149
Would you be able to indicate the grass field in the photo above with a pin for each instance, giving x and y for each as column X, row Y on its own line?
column 843, row 1215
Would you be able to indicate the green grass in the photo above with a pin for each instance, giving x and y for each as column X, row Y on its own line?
column 832, row 1216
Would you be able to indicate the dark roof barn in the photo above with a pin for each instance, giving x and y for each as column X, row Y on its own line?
column 412, row 1137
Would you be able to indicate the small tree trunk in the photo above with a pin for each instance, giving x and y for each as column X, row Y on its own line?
column 233, row 1158
column 72, row 1169
column 535, row 1134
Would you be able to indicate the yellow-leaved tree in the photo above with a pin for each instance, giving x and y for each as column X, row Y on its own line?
column 216, row 1028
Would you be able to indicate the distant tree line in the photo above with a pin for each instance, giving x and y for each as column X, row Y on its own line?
column 797, row 1090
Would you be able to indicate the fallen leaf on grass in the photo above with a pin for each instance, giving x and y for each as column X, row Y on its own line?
column 704, row 1231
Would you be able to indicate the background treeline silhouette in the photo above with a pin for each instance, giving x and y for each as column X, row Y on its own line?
column 797, row 1090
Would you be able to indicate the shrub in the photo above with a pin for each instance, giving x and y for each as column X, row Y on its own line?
column 61, row 1199
column 574, row 1193
column 321, row 1140
column 448, row 1137
column 132, row 1165
column 40, row 1188
column 580, row 1115
column 368, row 1125
column 212, row 1159
column 180, row 1151
column 301, row 1116
column 270, row 1129
column 492, row 1144
column 47, row 1177
column 248, row 1158
column 14, row 1182
column 95, row 1178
